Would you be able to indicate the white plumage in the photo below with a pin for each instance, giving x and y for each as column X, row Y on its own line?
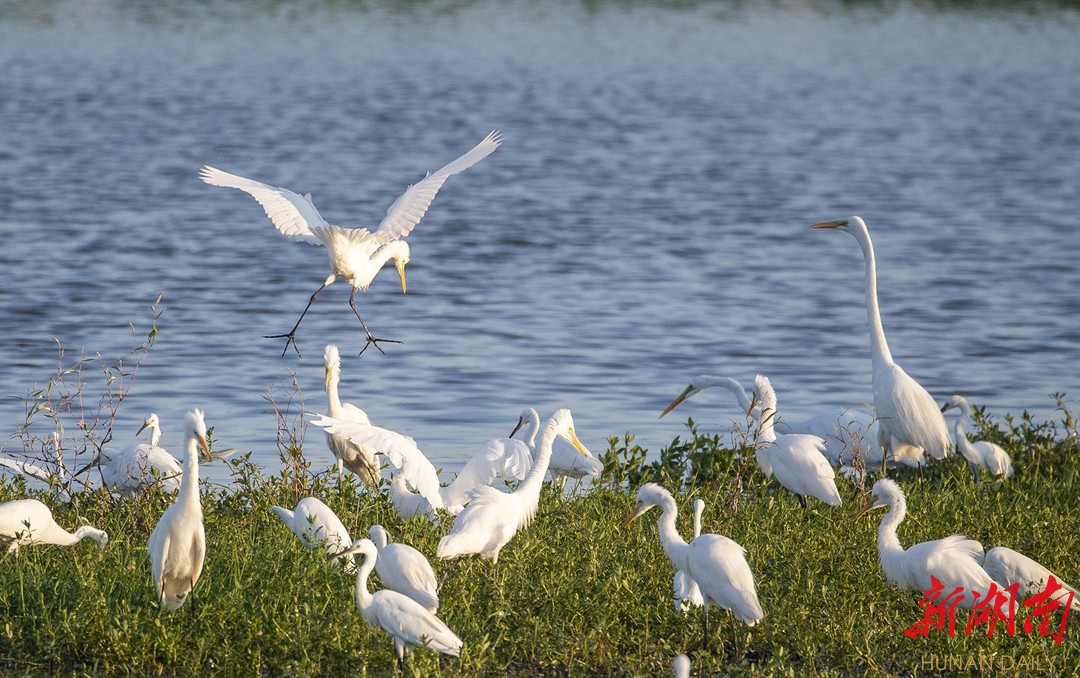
column 981, row 455
column 566, row 462
column 405, row 570
column 1008, row 567
column 357, row 458
column 317, row 526
column 29, row 521
column 686, row 590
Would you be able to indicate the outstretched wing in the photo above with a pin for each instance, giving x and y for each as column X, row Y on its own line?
column 410, row 208
column 294, row 215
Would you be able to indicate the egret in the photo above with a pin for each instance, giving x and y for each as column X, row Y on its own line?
column 687, row 593
column 680, row 666
column 716, row 563
column 1008, row 567
column 981, row 454
column 358, row 459
column 396, row 613
column 954, row 560
column 317, row 525
column 355, row 254
column 28, row 521
column 910, row 421
column 404, row 569
column 493, row 517
column 177, row 545
column 797, row 459
column 140, row 467
column 565, row 461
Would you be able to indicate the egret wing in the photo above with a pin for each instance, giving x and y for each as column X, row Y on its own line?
column 292, row 214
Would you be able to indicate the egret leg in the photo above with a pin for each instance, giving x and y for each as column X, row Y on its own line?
column 705, row 640
column 734, row 635
column 370, row 337
column 802, row 500
column 291, row 334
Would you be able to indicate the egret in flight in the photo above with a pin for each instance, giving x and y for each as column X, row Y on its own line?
column 177, row 545
column 317, row 525
column 910, row 421
column 405, row 570
column 565, row 461
column 357, row 458
column 981, row 455
column 493, row 517
column 356, row 254
column 28, row 521
column 687, row 592
column 396, row 613
column 954, row 560
column 716, row 563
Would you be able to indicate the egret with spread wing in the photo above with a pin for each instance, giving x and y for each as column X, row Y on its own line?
column 356, row 254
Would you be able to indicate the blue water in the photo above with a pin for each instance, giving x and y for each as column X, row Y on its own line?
column 644, row 221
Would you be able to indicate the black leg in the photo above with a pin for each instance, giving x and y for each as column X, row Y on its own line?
column 802, row 500
column 371, row 340
column 291, row 334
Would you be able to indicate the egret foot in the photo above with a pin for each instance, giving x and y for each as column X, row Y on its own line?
column 291, row 340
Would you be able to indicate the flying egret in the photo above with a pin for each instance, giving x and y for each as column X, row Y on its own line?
column 493, row 517
column 910, row 421
column 404, row 569
column 981, row 454
column 356, row 254
column 841, row 428
column 1008, row 567
column 358, row 459
column 565, row 461
column 687, row 593
column 954, row 560
column 177, row 545
column 716, row 563
column 28, row 521
column 317, row 525
column 396, row 613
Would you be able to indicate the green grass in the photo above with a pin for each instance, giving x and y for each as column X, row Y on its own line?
column 574, row 594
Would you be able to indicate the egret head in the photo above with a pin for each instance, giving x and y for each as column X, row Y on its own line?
column 850, row 225
column 151, row 422
column 400, row 255
column 196, row 425
column 363, row 546
column 688, row 392
column 648, row 496
column 332, row 360
column 886, row 493
column 763, row 396
column 564, row 428
column 956, row 401
column 527, row 420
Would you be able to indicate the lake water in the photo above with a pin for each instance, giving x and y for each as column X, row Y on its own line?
column 644, row 221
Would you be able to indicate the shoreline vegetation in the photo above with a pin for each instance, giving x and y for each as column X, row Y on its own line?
column 573, row 594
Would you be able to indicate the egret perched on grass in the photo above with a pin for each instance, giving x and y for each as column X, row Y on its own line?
column 1008, row 567
column 565, row 461
column 910, row 421
column 177, row 545
column 356, row 254
column 405, row 570
column 358, row 459
column 687, row 592
column 140, row 467
column 716, row 563
column 317, row 525
column 396, row 613
column 954, row 560
column 981, row 455
column 28, row 521
column 493, row 517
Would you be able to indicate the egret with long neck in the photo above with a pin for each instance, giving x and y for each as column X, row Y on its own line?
column 29, row 521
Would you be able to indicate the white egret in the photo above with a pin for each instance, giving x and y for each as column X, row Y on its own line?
column 28, row 521
column 565, row 461
column 680, row 666
column 404, row 569
column 981, row 455
column 355, row 254
column 141, row 467
column 317, row 525
column 717, row 563
column 687, row 593
column 954, row 560
column 358, row 459
column 910, row 421
column 1008, row 567
column 396, row 613
column 797, row 459
column 493, row 517
column 177, row 544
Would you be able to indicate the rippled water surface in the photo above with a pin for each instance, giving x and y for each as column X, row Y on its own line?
column 644, row 221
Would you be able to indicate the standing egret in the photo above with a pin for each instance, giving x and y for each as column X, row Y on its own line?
column 797, row 459
column 1008, row 567
column 716, row 563
column 356, row 254
column 28, row 521
column 404, row 569
column 358, row 459
column 954, row 560
column 317, row 525
column 493, row 517
column 177, row 545
column 565, row 461
column 910, row 420
column 981, row 454
column 687, row 592
column 396, row 613
column 141, row 467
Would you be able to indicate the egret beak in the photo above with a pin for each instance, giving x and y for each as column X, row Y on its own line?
column 341, row 554
column 840, row 223
column 635, row 515
column 520, row 424
column 400, row 265
column 678, row 401
column 326, row 380
column 866, row 508
column 203, row 445
column 577, row 443
column 143, row 427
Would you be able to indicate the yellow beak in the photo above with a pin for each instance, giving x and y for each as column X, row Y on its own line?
column 678, row 401
column 831, row 224
column 400, row 265
column 577, row 443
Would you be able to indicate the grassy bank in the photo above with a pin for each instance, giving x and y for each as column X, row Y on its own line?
column 574, row 594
